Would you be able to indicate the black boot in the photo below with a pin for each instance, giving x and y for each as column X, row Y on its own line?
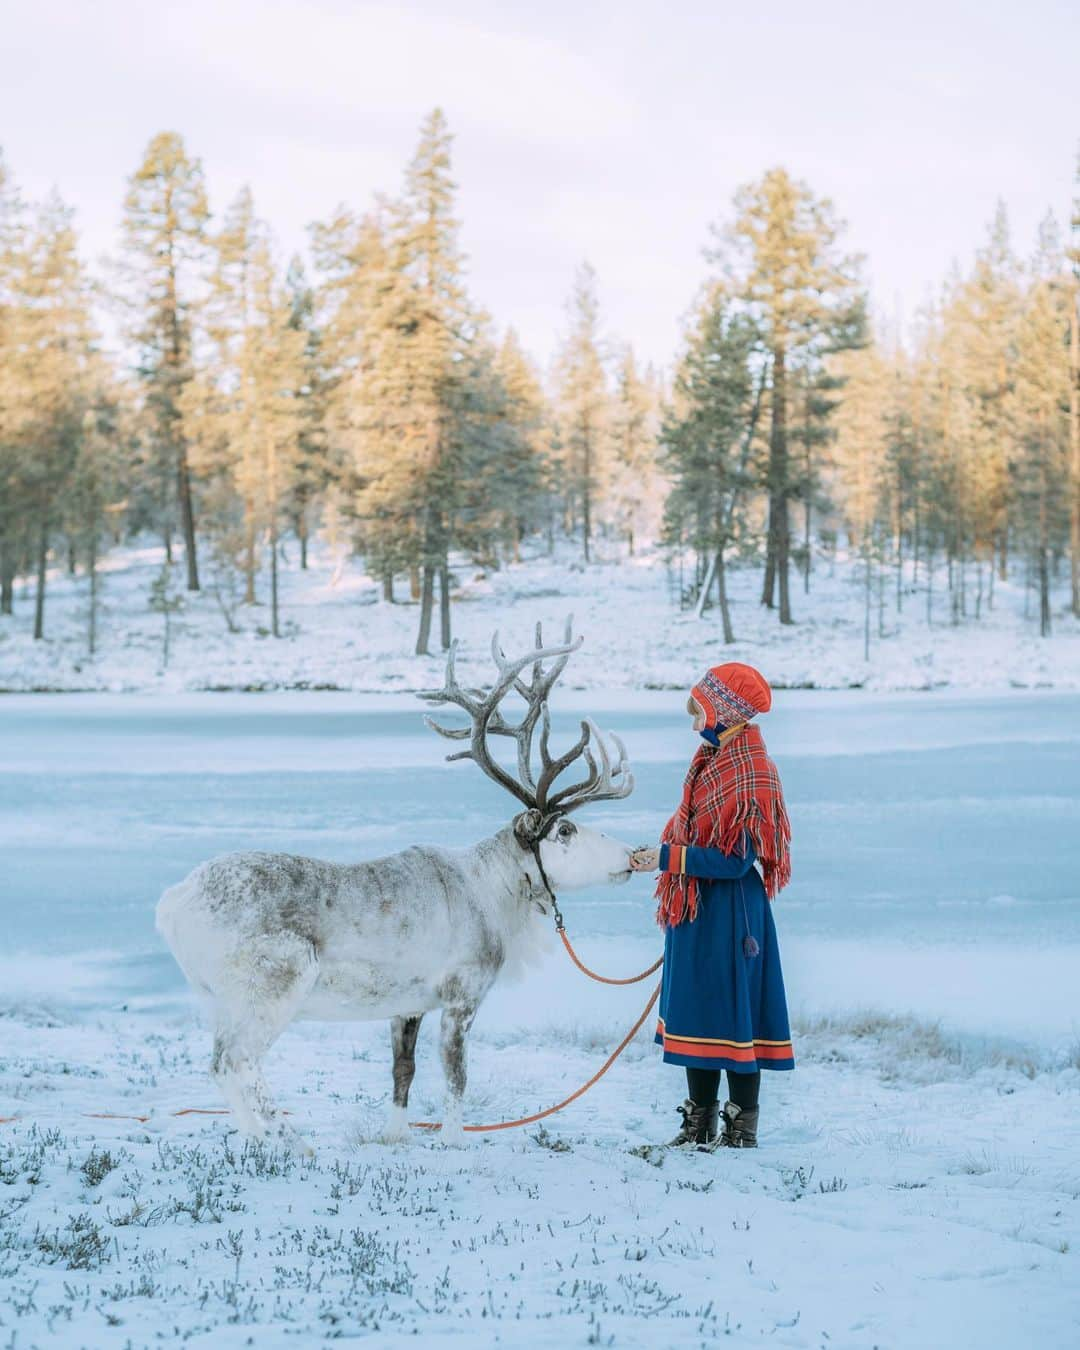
column 700, row 1124
column 740, row 1128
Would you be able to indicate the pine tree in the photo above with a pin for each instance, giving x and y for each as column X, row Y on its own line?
column 1039, row 405
column 246, row 407
column 1074, row 397
column 781, row 257
column 165, row 217
column 49, row 376
column 352, row 258
column 860, row 461
column 312, row 470
column 634, row 484
column 984, row 309
column 707, row 437
column 410, row 398
column 94, row 500
column 12, row 524
column 582, row 405
column 523, row 483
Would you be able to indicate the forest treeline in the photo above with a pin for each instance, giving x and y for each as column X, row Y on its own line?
column 367, row 398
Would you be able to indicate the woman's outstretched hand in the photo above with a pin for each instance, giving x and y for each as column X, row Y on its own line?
column 644, row 860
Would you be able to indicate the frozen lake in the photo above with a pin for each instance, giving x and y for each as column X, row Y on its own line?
column 936, row 836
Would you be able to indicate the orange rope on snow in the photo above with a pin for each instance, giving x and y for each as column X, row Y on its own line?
column 551, row 1110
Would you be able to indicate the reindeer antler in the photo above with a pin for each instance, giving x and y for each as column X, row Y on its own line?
column 604, row 781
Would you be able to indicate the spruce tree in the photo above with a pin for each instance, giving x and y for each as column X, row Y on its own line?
column 410, row 398
column 634, row 485
column 1074, row 395
column 1039, row 403
column 782, row 259
column 860, row 462
column 165, row 217
column 522, row 481
column 582, row 406
column 12, row 523
column 707, row 438
column 245, row 410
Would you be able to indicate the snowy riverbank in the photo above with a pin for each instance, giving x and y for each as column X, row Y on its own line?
column 918, row 1183
column 339, row 635
column 904, row 1195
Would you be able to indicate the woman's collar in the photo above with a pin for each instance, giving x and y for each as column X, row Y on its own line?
column 718, row 738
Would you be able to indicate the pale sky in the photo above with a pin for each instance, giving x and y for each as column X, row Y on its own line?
column 614, row 131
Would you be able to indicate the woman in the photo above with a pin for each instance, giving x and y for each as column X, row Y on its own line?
column 723, row 855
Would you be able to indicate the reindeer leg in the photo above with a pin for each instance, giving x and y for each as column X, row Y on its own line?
column 403, row 1034
column 271, row 981
column 454, row 1026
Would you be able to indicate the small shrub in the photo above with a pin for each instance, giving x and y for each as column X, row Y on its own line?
column 97, row 1166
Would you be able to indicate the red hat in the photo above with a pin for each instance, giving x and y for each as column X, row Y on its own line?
column 731, row 694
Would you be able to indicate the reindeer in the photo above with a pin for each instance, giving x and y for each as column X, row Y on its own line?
column 269, row 938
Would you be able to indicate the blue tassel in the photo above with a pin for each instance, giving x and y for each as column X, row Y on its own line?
column 749, row 946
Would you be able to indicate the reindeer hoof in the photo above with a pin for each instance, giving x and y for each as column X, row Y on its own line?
column 395, row 1128
column 286, row 1137
column 451, row 1135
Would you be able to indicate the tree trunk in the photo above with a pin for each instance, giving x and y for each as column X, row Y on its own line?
column 187, row 517
column 427, row 588
column 768, row 583
column 806, row 545
column 414, row 582
column 274, row 610
column 881, row 600
column 929, row 586
column 725, row 608
column 91, row 567
column 7, row 575
column 705, row 586
column 586, row 496
column 302, row 535
column 42, row 557
column 249, row 554
column 1074, row 447
column 778, row 467
column 388, row 586
column 783, row 561
column 1044, row 556
column 444, row 603
column 866, row 598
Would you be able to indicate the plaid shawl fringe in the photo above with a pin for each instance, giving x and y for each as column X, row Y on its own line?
column 728, row 790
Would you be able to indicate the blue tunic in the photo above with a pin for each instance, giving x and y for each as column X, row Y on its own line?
column 719, row 1007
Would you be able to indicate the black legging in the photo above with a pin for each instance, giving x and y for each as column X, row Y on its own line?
column 703, row 1087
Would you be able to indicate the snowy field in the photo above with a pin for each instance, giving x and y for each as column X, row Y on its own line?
column 918, row 1182
column 337, row 634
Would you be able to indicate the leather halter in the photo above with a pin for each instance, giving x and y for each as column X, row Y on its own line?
column 532, row 842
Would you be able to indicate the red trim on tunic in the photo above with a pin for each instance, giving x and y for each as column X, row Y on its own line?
column 742, row 1051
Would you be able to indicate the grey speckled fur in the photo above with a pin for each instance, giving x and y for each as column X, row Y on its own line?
column 271, row 937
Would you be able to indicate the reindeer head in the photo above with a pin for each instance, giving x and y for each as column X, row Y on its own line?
column 572, row 856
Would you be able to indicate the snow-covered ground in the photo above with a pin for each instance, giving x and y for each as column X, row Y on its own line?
column 339, row 635
column 901, row 1197
column 918, row 1182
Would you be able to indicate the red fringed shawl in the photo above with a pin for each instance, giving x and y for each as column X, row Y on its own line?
column 729, row 788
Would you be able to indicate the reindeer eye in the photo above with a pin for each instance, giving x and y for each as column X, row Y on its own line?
column 565, row 830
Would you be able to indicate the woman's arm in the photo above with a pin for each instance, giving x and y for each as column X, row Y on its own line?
column 708, row 863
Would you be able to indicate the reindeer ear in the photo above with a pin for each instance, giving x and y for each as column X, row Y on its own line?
column 527, row 827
